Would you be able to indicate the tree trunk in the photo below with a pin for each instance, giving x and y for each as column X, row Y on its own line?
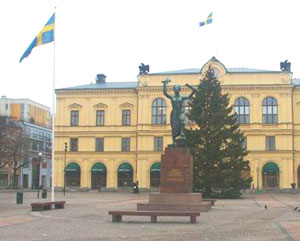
column 15, row 179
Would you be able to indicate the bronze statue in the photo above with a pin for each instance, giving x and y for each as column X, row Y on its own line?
column 144, row 69
column 285, row 66
column 177, row 114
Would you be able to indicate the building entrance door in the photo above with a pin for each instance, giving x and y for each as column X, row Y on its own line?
column 98, row 176
column 270, row 175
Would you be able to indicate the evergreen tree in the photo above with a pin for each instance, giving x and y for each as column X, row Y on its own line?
column 217, row 144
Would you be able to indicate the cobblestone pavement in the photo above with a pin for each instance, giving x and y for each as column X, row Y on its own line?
column 85, row 217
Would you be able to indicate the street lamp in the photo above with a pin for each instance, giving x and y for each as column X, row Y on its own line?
column 39, row 170
column 66, row 148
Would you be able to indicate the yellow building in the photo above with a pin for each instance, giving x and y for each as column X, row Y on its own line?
column 116, row 132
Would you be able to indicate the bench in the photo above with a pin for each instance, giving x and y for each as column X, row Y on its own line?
column 117, row 215
column 42, row 206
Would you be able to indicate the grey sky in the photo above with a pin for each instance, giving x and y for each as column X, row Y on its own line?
column 114, row 37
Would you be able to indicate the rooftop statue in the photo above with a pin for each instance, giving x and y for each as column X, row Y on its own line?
column 285, row 66
column 177, row 114
column 144, row 69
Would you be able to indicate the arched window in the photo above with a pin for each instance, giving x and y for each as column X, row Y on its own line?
column 270, row 174
column 125, row 175
column 98, row 176
column 73, row 175
column 242, row 109
column 270, row 112
column 187, row 110
column 159, row 111
column 155, row 175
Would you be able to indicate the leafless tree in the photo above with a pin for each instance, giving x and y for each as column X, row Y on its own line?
column 4, row 125
column 14, row 144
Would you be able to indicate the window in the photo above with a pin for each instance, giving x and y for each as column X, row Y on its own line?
column 270, row 110
column 216, row 72
column 48, row 137
column 41, row 146
column 22, row 112
column 74, row 144
column 125, row 117
column 242, row 109
column 100, row 115
column 41, row 135
column 270, row 143
column 35, row 134
column 125, row 144
column 99, row 144
column 158, row 143
column 187, row 110
column 159, row 111
column 48, row 147
column 6, row 106
column 74, row 118
column 34, row 146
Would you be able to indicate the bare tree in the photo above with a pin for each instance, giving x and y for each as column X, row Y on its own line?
column 14, row 144
column 19, row 145
column 4, row 126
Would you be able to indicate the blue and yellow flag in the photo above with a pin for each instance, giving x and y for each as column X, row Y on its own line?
column 44, row 37
column 208, row 20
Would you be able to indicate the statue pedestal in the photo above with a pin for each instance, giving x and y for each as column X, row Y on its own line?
column 176, row 184
column 176, row 174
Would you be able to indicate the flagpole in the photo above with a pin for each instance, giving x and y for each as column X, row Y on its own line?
column 53, row 119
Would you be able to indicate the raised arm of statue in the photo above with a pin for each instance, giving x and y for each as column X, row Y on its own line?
column 194, row 90
column 165, row 83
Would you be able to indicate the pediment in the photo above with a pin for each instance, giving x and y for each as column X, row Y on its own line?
column 75, row 106
column 215, row 64
column 100, row 106
column 126, row 105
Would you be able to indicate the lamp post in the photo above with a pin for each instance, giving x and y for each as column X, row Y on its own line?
column 39, row 171
column 66, row 148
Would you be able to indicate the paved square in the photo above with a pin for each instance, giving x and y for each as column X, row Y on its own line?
column 85, row 217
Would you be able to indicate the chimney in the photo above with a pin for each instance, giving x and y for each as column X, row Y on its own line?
column 100, row 78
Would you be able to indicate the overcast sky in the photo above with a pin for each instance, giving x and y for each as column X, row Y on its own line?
column 113, row 37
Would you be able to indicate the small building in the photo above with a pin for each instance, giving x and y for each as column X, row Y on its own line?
column 116, row 132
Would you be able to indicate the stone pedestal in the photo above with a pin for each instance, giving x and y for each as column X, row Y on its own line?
column 176, row 174
column 176, row 184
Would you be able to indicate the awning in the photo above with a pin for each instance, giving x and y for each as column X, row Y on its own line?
column 73, row 167
column 99, row 167
column 271, row 168
column 155, row 167
column 125, row 167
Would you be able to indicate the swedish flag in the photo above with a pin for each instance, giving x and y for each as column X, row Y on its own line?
column 45, row 36
column 208, row 20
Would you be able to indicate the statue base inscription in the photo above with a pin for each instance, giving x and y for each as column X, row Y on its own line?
column 176, row 170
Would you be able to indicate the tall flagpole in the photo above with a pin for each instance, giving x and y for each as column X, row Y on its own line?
column 53, row 118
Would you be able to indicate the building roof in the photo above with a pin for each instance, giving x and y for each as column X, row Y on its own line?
column 107, row 85
column 296, row 81
column 229, row 70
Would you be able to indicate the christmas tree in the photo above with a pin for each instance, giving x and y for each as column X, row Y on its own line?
column 217, row 144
